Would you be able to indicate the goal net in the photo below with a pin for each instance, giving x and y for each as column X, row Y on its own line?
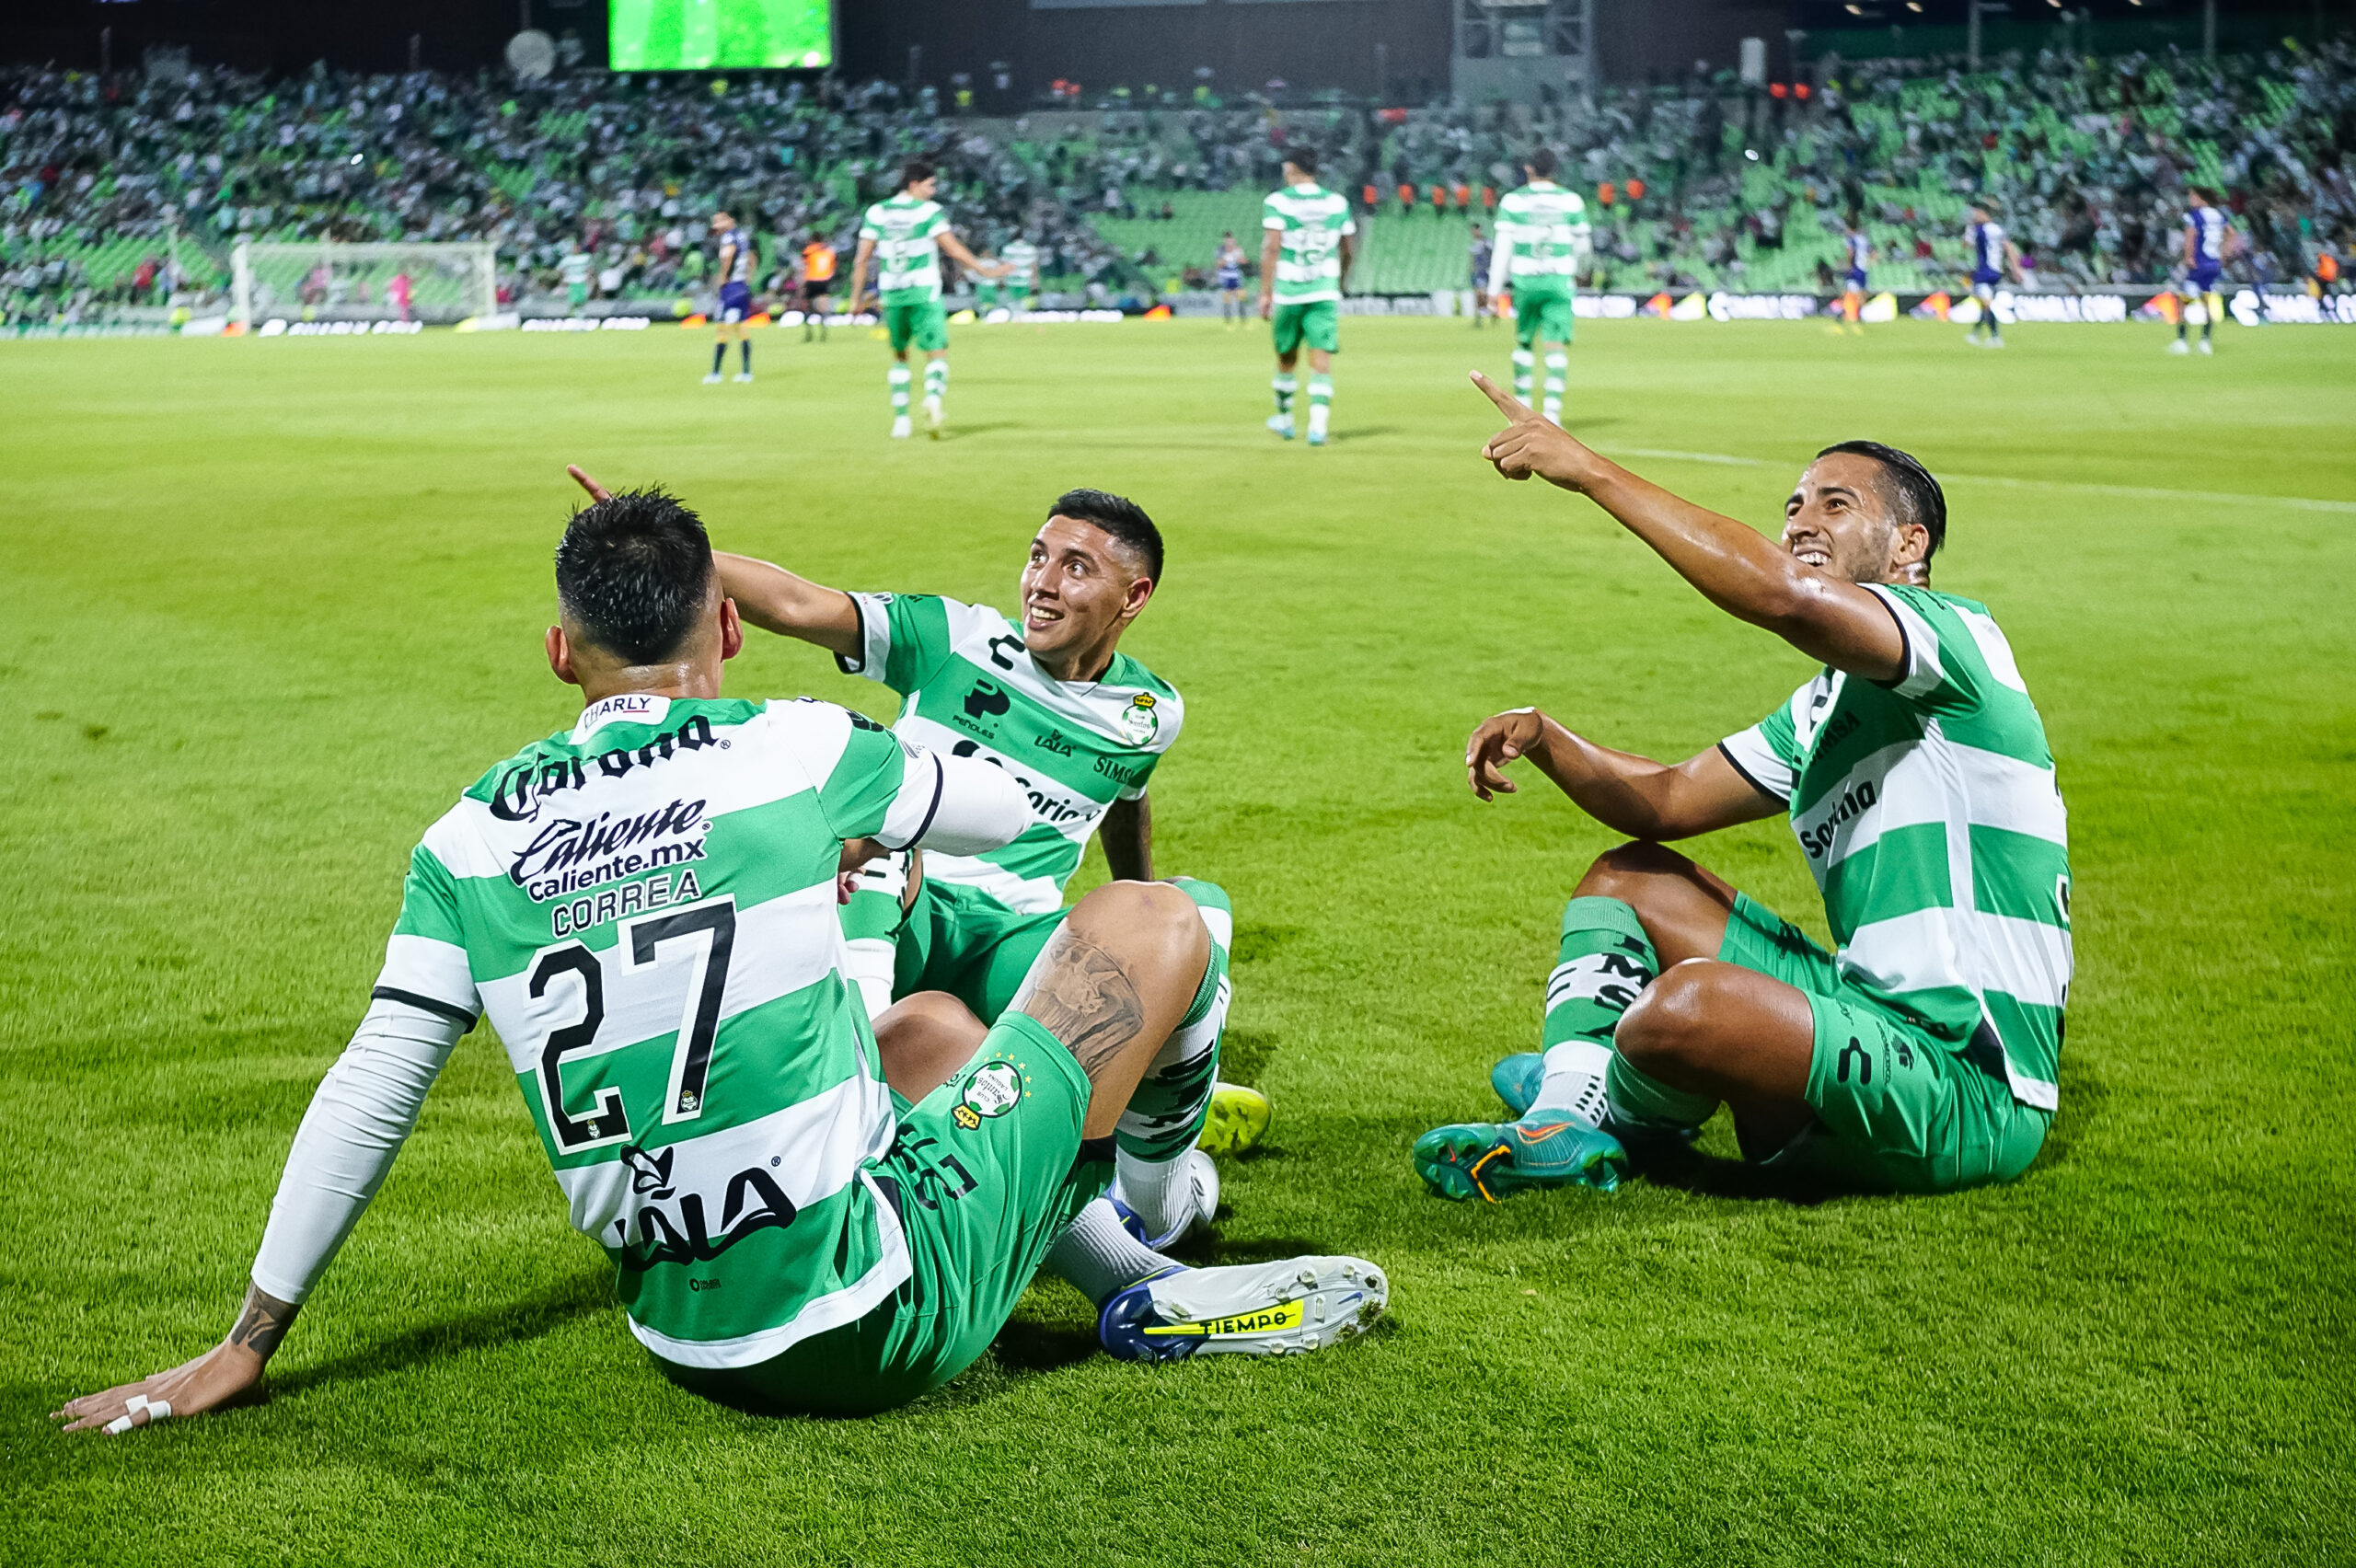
column 331, row 280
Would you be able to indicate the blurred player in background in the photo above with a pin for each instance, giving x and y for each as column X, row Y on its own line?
column 1543, row 237
column 1230, row 266
column 733, row 269
column 1022, row 286
column 1482, row 253
column 2207, row 234
column 574, row 269
column 1304, row 255
column 818, row 263
column 903, row 239
column 1861, row 254
column 1994, row 258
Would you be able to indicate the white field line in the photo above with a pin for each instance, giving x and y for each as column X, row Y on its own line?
column 2128, row 492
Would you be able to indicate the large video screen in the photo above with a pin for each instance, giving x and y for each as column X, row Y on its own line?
column 709, row 35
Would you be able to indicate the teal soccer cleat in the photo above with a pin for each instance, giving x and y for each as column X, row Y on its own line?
column 1515, row 1079
column 1497, row 1159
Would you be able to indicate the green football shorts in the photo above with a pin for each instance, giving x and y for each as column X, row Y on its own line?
column 1317, row 324
column 1897, row 1108
column 982, row 1177
column 1541, row 316
column 922, row 325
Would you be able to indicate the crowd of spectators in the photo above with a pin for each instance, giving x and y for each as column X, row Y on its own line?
column 125, row 189
column 2085, row 161
column 93, row 171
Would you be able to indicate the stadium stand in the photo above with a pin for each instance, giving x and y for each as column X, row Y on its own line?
column 129, row 191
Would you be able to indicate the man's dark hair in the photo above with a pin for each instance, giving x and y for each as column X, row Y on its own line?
column 1912, row 494
column 915, row 171
column 1119, row 517
column 1541, row 163
column 632, row 571
column 1303, row 159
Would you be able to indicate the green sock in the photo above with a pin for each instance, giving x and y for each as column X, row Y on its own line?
column 1605, row 960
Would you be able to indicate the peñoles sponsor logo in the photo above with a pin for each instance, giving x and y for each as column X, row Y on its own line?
column 1856, row 803
column 523, row 791
column 568, row 855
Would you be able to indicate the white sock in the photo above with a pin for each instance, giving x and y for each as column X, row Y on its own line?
column 1100, row 1258
column 1159, row 1193
column 1573, row 1080
column 1318, row 414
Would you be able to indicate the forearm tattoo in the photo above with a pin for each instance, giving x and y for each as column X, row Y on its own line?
column 1083, row 998
column 263, row 1323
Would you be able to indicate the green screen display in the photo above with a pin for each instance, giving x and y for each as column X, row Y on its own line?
column 709, row 35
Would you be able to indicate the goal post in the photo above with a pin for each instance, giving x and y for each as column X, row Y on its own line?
column 326, row 280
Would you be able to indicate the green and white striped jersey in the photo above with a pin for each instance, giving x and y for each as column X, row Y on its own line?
column 907, row 250
column 1309, row 256
column 969, row 688
column 1023, row 256
column 1541, row 236
column 1932, row 819
column 645, row 907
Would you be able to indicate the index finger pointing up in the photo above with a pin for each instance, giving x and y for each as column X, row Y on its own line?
column 1507, row 404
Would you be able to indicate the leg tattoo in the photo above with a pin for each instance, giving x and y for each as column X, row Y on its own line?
column 1081, row 995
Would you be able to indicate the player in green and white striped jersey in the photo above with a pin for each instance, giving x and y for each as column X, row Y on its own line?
column 1920, row 1055
column 1082, row 727
column 903, row 239
column 644, row 905
column 1021, row 287
column 1543, row 240
column 1308, row 238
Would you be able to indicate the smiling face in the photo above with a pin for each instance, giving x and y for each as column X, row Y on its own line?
column 1081, row 588
column 1840, row 520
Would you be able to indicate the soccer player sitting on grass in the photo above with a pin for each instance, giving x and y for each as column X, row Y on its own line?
column 1081, row 727
column 644, row 905
column 1920, row 1055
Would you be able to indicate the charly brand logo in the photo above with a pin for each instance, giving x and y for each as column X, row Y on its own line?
column 754, row 1201
column 992, row 1090
column 1140, row 724
column 524, row 790
column 570, row 854
column 987, row 701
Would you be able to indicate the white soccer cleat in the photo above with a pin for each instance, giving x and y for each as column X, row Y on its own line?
column 1281, row 424
column 932, row 417
column 2180, row 346
column 901, row 428
column 744, row 376
column 2207, row 347
column 1286, row 1307
column 712, row 380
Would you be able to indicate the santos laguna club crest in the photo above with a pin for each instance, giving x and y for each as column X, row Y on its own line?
column 991, row 1090
column 1140, row 724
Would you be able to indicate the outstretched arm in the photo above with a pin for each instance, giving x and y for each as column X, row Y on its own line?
column 1736, row 568
column 1627, row 793
column 359, row 1118
column 771, row 597
column 955, row 248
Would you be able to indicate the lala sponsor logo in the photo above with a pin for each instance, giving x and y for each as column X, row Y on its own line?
column 675, row 1229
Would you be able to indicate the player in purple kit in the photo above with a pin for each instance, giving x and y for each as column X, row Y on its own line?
column 736, row 274
column 1860, row 252
column 2207, row 231
column 1994, row 258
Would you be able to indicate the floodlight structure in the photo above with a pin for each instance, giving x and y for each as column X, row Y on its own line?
column 1522, row 50
column 326, row 280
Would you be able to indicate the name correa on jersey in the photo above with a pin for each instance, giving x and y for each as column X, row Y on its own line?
column 644, row 908
column 1933, row 822
column 969, row 688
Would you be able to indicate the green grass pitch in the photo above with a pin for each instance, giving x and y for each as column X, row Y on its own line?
column 266, row 606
